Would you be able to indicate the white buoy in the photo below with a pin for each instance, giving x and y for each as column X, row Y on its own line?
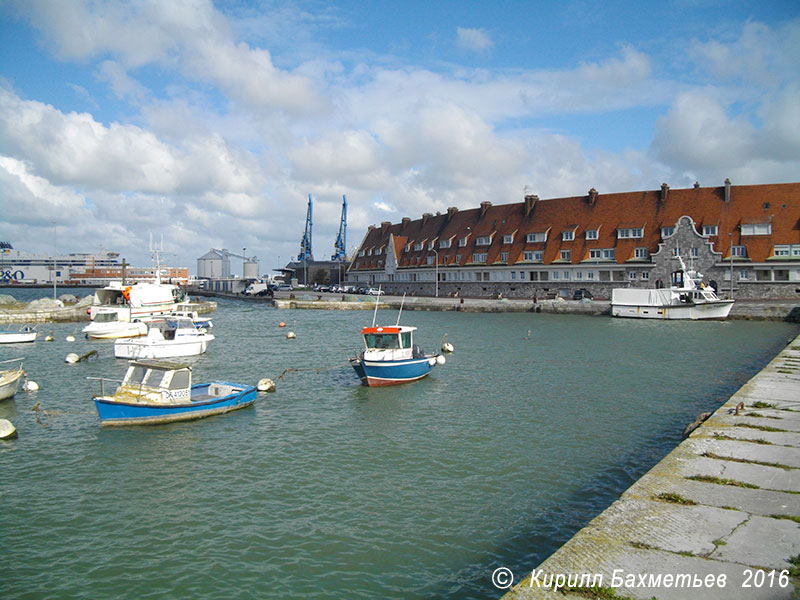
column 447, row 347
column 440, row 360
column 290, row 335
column 7, row 430
column 266, row 385
column 72, row 358
column 30, row 386
column 70, row 338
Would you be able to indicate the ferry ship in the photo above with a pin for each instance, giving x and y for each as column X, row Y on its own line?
column 18, row 266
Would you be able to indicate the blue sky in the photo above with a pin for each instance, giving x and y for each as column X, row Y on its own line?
column 210, row 122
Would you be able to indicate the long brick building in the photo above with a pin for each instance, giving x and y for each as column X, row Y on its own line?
column 744, row 239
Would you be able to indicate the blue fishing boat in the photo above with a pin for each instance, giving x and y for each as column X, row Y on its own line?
column 390, row 355
column 155, row 392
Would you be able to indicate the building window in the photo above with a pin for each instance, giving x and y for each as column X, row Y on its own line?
column 462, row 242
column 566, row 254
column 635, row 232
column 602, row 253
column 782, row 250
column 431, row 244
column 676, row 251
column 540, row 236
column 418, row 246
column 513, row 274
column 429, row 259
column 739, row 251
column 591, row 234
column 631, row 274
column 667, row 231
column 508, row 238
column 579, row 275
column 710, row 230
column 483, row 240
column 744, row 274
column 504, row 257
column 566, row 274
column 640, row 253
column 645, row 275
column 694, row 252
column 479, row 257
column 590, row 275
column 444, row 244
column 568, row 236
column 757, row 229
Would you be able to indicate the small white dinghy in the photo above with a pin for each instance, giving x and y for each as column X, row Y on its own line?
column 25, row 334
column 7, row 430
column 10, row 377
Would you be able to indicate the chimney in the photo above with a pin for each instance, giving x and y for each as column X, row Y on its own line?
column 451, row 212
column 385, row 227
column 727, row 190
column 697, row 185
column 664, row 192
column 530, row 201
column 592, row 197
column 484, row 207
column 425, row 217
column 405, row 221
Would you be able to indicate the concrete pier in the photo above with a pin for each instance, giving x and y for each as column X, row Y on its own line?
column 722, row 510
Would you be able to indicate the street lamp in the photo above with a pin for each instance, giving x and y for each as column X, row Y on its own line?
column 437, row 271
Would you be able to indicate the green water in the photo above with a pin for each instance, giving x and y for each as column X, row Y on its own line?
column 327, row 489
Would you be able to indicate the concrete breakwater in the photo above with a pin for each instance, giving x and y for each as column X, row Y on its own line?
column 720, row 512
column 70, row 314
column 778, row 310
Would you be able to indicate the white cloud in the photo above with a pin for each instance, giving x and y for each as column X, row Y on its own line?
column 474, row 40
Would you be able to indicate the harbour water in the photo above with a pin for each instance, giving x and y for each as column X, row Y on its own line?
column 328, row 489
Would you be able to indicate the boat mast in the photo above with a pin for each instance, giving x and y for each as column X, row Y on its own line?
column 375, row 314
column 402, row 300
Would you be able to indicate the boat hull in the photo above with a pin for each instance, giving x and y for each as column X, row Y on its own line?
column 144, row 348
column 115, row 330
column 392, row 372
column 18, row 338
column 692, row 311
column 113, row 413
column 9, row 383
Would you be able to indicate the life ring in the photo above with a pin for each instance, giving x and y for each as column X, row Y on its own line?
column 126, row 293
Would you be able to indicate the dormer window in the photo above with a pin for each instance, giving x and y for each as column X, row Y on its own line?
column 431, row 244
column 756, row 228
column 630, row 232
column 417, row 245
column 567, row 236
column 667, row 231
column 539, row 236
column 444, row 243
column 462, row 241
column 483, row 240
column 508, row 238
column 591, row 234
column 710, row 230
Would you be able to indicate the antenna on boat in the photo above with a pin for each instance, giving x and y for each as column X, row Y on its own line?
column 375, row 314
column 403, row 299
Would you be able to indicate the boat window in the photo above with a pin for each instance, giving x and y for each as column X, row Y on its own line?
column 381, row 340
column 180, row 380
column 105, row 317
column 406, row 339
column 136, row 375
column 155, row 377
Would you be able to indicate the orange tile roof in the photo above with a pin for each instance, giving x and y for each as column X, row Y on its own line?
column 778, row 204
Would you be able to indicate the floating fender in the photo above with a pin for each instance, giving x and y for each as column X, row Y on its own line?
column 440, row 360
column 290, row 335
column 281, row 324
column 7, row 430
column 447, row 347
column 49, row 337
column 30, row 386
column 72, row 358
column 70, row 338
column 432, row 361
column 265, row 385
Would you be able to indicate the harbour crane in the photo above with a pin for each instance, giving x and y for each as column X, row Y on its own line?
column 305, row 244
column 340, row 245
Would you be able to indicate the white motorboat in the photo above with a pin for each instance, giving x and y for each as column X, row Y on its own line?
column 106, row 325
column 687, row 298
column 24, row 334
column 10, row 377
column 199, row 322
column 169, row 337
column 137, row 301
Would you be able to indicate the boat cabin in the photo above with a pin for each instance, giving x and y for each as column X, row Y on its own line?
column 388, row 337
column 156, row 381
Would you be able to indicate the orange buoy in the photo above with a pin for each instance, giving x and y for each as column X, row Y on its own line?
column 281, row 324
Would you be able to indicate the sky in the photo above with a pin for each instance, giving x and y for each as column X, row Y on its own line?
column 208, row 124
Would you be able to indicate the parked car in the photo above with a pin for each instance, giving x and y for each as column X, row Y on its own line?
column 375, row 292
column 581, row 294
